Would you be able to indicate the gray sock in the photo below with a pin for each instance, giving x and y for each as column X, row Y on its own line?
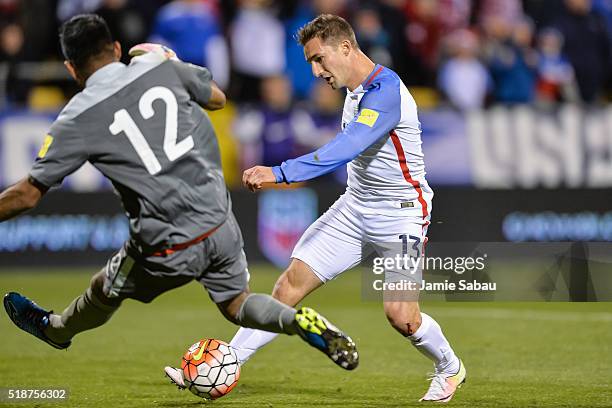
column 263, row 312
column 84, row 313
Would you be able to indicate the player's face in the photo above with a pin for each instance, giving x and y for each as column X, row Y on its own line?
column 328, row 61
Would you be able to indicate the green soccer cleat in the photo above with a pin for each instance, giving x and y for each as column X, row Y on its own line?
column 321, row 334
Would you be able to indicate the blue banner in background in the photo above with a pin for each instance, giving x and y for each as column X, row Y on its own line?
column 21, row 137
column 446, row 149
column 67, row 228
column 63, row 232
column 499, row 148
column 282, row 218
column 71, row 228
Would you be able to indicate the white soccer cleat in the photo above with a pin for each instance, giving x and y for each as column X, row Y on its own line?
column 176, row 376
column 443, row 386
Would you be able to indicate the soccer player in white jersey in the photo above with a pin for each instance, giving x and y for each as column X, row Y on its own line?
column 386, row 196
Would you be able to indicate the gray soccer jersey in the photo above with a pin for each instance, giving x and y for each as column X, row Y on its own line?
column 141, row 125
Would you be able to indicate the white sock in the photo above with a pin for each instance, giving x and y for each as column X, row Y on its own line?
column 247, row 341
column 430, row 341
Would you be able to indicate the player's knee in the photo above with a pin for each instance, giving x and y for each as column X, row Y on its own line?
column 97, row 285
column 287, row 291
column 97, row 289
column 295, row 283
column 283, row 289
column 405, row 317
column 229, row 315
column 231, row 308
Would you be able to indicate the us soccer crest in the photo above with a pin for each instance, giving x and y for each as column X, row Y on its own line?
column 283, row 217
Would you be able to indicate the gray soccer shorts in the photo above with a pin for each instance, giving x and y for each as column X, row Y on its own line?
column 218, row 263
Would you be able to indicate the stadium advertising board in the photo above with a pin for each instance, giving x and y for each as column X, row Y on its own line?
column 85, row 228
column 500, row 148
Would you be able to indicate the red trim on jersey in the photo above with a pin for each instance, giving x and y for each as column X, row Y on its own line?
column 406, row 172
column 369, row 81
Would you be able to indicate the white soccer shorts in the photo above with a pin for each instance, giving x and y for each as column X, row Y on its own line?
column 335, row 242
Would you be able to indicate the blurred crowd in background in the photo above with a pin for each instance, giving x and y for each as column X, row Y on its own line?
column 463, row 54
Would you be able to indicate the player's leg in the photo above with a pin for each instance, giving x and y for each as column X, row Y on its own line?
column 248, row 340
column 91, row 309
column 127, row 274
column 88, row 311
column 263, row 312
column 314, row 261
column 226, row 279
column 295, row 283
column 402, row 310
column 426, row 335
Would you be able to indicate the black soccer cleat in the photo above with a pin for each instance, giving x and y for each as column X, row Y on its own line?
column 30, row 317
column 321, row 334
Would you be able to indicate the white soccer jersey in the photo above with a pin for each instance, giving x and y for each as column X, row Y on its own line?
column 381, row 142
column 390, row 173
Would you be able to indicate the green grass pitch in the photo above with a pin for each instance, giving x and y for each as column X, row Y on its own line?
column 516, row 354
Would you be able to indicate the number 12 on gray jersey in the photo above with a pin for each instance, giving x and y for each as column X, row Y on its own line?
column 123, row 123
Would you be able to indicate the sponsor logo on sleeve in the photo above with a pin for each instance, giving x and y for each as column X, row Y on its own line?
column 367, row 117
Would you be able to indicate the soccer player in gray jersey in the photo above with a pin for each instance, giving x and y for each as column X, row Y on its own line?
column 143, row 127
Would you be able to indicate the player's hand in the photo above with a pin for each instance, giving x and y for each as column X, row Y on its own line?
column 255, row 177
column 158, row 49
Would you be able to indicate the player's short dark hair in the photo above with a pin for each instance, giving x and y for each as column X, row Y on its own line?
column 84, row 37
column 328, row 28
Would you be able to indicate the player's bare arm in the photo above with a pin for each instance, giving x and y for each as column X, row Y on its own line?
column 19, row 198
column 217, row 98
column 255, row 177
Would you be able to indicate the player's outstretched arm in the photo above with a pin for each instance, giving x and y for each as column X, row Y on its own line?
column 355, row 138
column 20, row 197
column 379, row 113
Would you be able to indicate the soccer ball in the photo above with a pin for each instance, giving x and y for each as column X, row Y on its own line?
column 210, row 368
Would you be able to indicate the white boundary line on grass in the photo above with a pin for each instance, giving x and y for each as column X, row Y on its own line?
column 520, row 314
